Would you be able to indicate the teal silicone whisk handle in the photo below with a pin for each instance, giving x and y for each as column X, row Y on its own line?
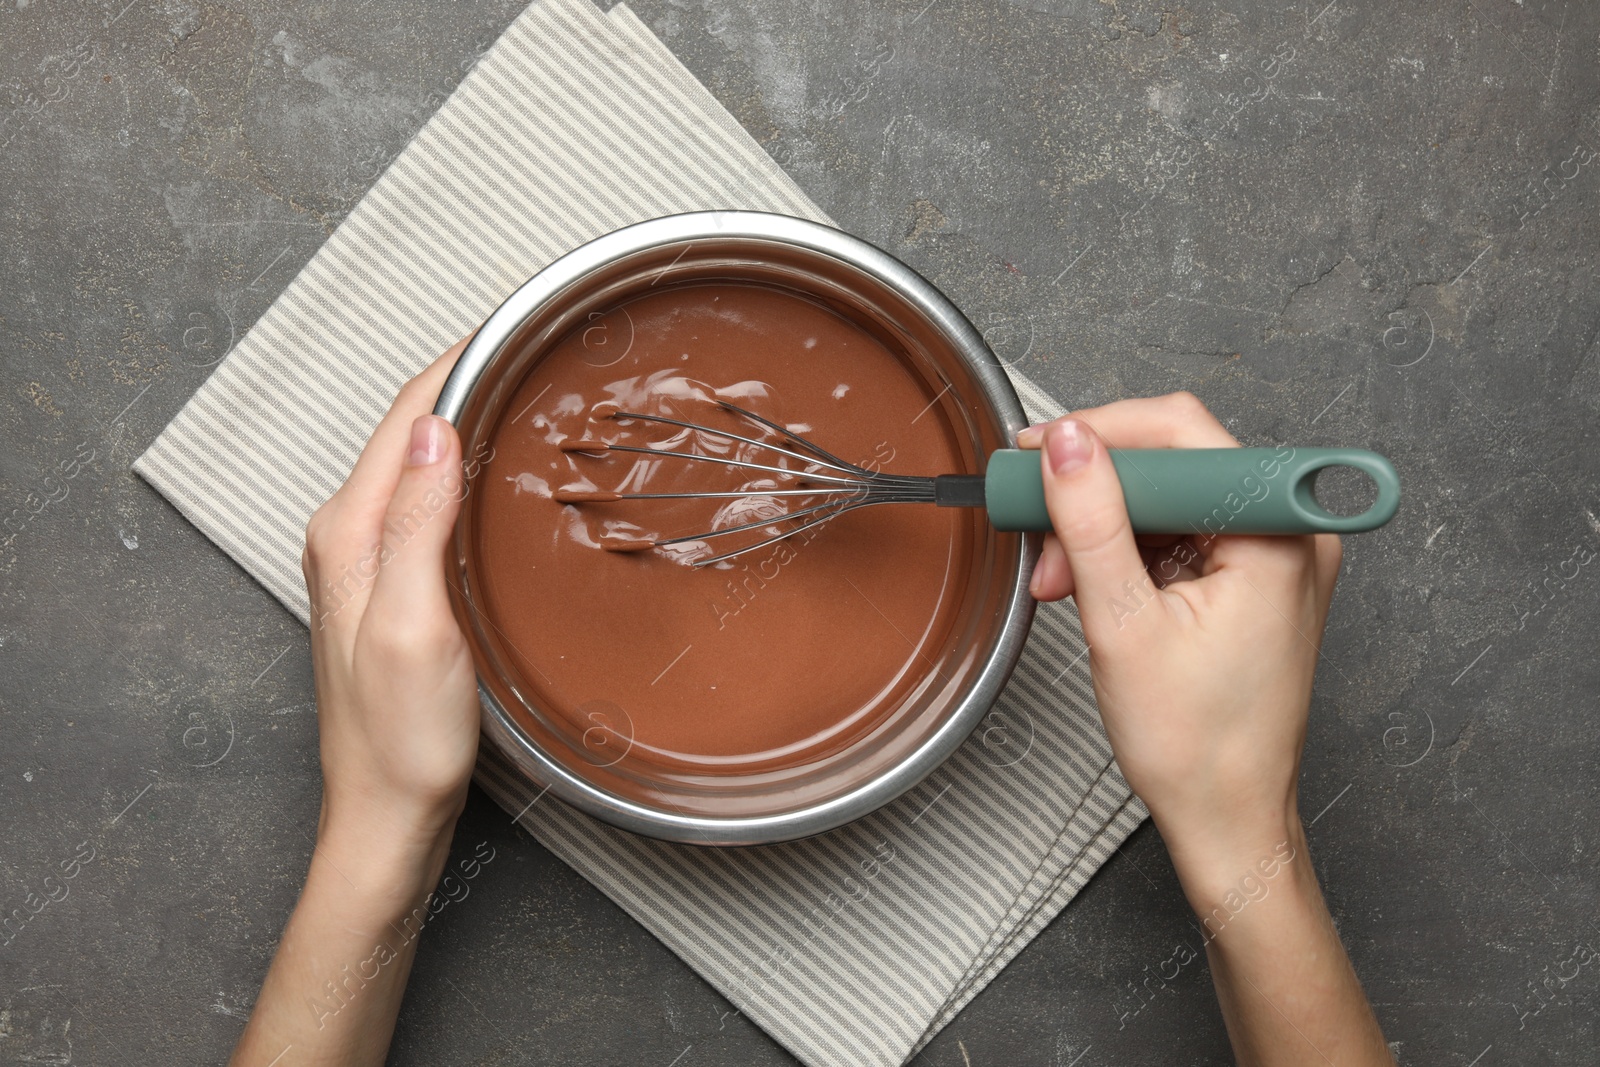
column 1204, row 490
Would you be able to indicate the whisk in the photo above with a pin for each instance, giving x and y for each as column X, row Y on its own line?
column 1203, row 491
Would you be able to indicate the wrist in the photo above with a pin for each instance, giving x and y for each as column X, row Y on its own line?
column 1226, row 863
column 357, row 809
column 388, row 859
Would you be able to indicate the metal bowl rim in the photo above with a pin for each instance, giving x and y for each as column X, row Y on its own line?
column 571, row 269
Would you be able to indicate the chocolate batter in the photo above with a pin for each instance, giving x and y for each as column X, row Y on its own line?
column 772, row 660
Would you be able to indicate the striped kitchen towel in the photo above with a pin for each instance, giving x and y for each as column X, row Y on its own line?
column 854, row 947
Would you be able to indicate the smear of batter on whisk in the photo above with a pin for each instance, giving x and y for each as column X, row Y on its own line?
column 769, row 660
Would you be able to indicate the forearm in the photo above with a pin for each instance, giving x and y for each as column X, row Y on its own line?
column 1288, row 992
column 335, row 984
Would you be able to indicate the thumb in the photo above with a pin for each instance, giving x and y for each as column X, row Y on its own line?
column 417, row 526
column 1084, row 497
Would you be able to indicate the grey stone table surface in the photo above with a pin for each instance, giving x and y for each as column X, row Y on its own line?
column 1347, row 222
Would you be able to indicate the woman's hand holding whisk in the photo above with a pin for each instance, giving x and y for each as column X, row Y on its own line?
column 1202, row 651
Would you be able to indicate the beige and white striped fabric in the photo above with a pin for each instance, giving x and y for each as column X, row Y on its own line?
column 854, row 947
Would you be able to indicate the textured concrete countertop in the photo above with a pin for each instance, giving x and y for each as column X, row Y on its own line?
column 1338, row 223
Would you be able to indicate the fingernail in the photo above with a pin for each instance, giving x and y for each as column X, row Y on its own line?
column 1029, row 437
column 427, row 442
column 1067, row 446
column 1037, row 580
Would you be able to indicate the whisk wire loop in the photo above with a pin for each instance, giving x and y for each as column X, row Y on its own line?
column 849, row 485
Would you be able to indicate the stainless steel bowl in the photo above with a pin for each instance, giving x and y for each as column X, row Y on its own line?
column 881, row 294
